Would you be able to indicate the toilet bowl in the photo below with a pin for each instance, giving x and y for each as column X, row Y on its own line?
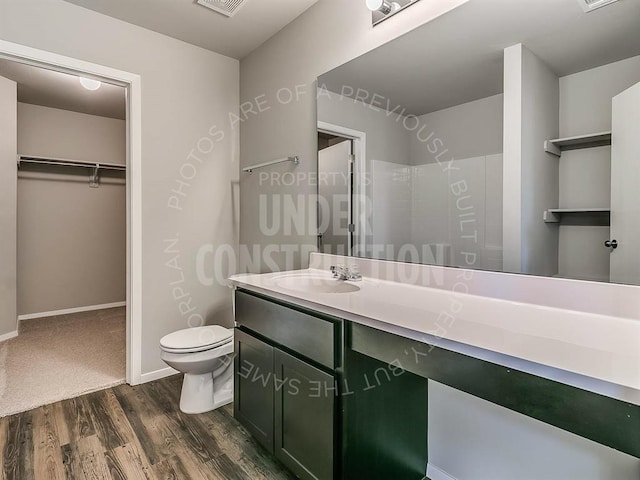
column 205, row 356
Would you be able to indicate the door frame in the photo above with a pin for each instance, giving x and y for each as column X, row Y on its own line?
column 359, row 140
column 132, row 83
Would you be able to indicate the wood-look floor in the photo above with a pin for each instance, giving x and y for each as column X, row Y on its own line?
column 131, row 433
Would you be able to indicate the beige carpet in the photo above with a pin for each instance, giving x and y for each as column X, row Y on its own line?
column 61, row 357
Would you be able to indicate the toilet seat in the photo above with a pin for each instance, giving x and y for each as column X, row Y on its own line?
column 197, row 339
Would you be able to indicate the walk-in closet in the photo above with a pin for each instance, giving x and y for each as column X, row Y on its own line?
column 64, row 223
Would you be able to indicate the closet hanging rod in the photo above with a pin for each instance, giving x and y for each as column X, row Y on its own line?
column 61, row 162
column 293, row 159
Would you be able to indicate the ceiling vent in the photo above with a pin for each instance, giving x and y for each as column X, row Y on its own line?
column 591, row 5
column 228, row 8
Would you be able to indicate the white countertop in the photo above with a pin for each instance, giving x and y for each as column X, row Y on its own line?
column 596, row 352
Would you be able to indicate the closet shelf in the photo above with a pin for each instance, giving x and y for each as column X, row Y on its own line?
column 554, row 215
column 65, row 162
column 94, row 178
column 557, row 145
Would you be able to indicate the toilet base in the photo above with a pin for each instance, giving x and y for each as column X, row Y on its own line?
column 200, row 394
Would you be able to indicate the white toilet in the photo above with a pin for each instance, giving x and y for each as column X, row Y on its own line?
column 205, row 356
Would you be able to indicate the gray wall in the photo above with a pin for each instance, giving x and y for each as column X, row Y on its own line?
column 585, row 97
column 540, row 99
column 59, row 133
column 472, row 129
column 512, row 160
column 387, row 139
column 530, row 180
column 187, row 93
column 585, row 175
column 8, row 185
column 71, row 237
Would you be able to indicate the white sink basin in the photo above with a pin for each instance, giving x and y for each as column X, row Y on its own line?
column 314, row 284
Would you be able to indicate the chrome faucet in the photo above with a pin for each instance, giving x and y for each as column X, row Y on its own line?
column 345, row 273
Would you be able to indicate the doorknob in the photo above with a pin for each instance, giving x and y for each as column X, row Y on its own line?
column 612, row 244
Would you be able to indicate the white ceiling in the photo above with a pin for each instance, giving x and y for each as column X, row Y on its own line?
column 254, row 23
column 39, row 86
column 458, row 57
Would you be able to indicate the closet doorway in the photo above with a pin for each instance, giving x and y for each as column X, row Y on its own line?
column 74, row 278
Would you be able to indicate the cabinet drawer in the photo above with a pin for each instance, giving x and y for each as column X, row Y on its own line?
column 305, row 334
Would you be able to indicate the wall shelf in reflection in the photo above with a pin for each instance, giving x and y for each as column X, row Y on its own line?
column 578, row 216
column 557, row 145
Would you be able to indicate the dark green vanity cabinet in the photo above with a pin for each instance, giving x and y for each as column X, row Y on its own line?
column 385, row 421
column 325, row 411
column 338, row 399
column 287, row 368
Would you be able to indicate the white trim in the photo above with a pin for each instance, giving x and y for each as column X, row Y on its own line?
column 66, row 311
column 157, row 374
column 8, row 336
column 360, row 153
column 134, row 239
column 434, row 473
column 132, row 82
column 330, row 128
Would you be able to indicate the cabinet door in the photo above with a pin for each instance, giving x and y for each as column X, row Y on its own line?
column 304, row 418
column 254, row 387
column 625, row 185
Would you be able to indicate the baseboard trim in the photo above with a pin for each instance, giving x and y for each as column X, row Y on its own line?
column 157, row 374
column 434, row 473
column 8, row 336
column 66, row 311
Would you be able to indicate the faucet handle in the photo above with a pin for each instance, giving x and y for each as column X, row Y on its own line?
column 337, row 270
column 354, row 272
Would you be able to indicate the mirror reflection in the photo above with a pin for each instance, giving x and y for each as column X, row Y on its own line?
column 495, row 137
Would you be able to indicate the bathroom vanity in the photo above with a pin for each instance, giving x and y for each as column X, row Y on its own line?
column 287, row 369
column 309, row 398
column 511, row 147
column 335, row 382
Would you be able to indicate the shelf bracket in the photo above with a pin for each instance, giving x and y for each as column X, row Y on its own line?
column 94, row 179
column 550, row 217
column 551, row 148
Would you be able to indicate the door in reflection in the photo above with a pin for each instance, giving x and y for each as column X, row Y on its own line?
column 335, row 187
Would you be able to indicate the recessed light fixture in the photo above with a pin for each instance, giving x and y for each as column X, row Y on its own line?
column 90, row 84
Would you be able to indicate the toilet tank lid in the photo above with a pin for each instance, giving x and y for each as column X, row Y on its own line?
column 197, row 337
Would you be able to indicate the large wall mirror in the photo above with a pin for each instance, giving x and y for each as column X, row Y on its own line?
column 502, row 136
